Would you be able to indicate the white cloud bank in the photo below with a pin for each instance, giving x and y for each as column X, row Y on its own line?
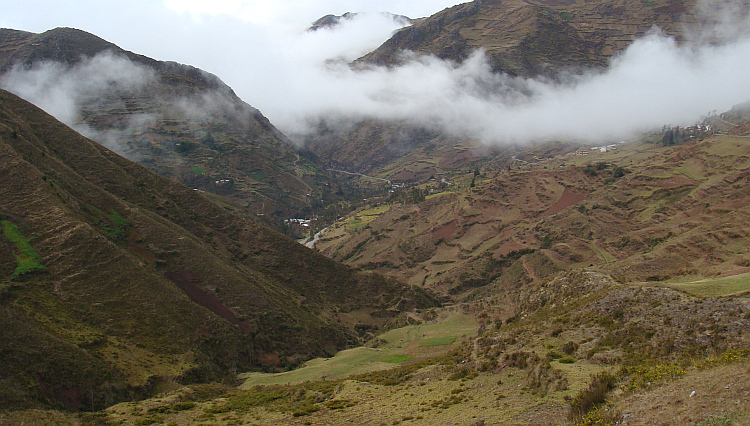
column 59, row 89
column 297, row 78
column 654, row 82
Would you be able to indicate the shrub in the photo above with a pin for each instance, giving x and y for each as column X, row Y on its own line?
column 594, row 395
column 183, row 406
column 553, row 354
column 339, row 404
column 642, row 376
column 462, row 373
column 598, row 418
column 570, row 347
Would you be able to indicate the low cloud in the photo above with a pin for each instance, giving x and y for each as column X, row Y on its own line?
column 298, row 79
column 62, row 91
column 82, row 95
column 59, row 88
column 654, row 82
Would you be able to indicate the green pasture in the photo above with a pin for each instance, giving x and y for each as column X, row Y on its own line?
column 735, row 285
column 429, row 339
column 27, row 258
column 361, row 219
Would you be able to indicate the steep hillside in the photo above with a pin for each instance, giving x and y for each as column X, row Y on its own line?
column 536, row 37
column 390, row 150
column 116, row 283
column 398, row 151
column 178, row 121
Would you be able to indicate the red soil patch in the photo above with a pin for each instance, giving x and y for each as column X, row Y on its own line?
column 507, row 247
column 450, row 160
column 673, row 182
column 446, row 231
column 567, row 199
column 405, row 176
column 187, row 280
column 735, row 272
column 743, row 130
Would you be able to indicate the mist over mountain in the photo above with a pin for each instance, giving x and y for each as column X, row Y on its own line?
column 178, row 120
column 617, row 89
column 298, row 78
column 331, row 21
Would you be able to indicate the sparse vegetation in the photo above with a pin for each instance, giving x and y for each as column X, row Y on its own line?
column 438, row 341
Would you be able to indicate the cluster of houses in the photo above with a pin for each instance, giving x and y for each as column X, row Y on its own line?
column 604, row 148
column 699, row 131
column 305, row 223
column 395, row 186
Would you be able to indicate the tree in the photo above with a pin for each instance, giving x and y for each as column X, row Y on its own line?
column 668, row 138
column 618, row 172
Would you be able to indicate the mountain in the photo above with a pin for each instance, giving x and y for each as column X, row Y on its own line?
column 519, row 38
column 181, row 122
column 410, row 154
column 539, row 37
column 332, row 21
column 116, row 283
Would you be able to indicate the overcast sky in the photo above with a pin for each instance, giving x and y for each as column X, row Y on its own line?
column 261, row 49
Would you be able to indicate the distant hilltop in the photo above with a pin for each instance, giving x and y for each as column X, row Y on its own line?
column 330, row 21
